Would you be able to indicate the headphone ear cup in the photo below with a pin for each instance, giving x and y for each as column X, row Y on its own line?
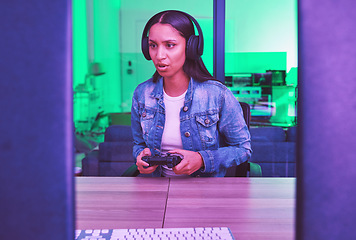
column 145, row 48
column 192, row 48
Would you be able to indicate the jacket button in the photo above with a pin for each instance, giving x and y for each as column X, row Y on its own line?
column 185, row 108
column 144, row 114
column 187, row 134
column 207, row 121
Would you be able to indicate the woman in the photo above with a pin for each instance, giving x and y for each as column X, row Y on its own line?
column 182, row 109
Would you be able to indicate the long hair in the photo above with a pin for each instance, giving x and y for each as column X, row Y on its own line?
column 193, row 68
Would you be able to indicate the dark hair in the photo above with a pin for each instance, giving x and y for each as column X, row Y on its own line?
column 193, row 68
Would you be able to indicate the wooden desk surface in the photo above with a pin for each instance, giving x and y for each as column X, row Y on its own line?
column 253, row 208
column 111, row 202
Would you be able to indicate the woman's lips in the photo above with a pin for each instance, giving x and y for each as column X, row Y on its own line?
column 161, row 66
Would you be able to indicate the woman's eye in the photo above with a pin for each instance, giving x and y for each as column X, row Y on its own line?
column 152, row 45
column 170, row 45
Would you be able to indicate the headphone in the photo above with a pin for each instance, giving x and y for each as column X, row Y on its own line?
column 194, row 46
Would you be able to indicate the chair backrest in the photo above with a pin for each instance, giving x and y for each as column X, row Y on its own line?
column 247, row 168
column 116, row 133
column 243, row 170
column 246, row 112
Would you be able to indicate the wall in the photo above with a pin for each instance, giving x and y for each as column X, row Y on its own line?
column 133, row 19
column 251, row 26
column 263, row 26
column 96, row 39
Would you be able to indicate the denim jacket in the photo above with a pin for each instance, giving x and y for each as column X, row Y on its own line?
column 211, row 123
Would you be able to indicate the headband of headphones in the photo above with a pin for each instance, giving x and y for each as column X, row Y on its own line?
column 194, row 45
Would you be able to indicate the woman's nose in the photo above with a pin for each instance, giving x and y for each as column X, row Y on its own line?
column 161, row 53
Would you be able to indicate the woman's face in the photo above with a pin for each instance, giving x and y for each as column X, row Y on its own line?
column 167, row 50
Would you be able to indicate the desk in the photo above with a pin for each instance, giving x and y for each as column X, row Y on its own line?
column 253, row 208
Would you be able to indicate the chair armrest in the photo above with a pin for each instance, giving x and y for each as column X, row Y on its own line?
column 131, row 171
column 90, row 164
column 246, row 169
column 255, row 170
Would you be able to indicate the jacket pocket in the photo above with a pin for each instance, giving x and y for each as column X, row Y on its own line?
column 147, row 120
column 207, row 127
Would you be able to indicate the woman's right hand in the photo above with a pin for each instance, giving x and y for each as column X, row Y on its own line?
column 142, row 166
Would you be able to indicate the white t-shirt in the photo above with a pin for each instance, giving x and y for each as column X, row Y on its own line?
column 171, row 137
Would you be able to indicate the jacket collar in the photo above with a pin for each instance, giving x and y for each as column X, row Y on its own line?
column 158, row 90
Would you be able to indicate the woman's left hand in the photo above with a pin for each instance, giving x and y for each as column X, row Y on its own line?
column 192, row 162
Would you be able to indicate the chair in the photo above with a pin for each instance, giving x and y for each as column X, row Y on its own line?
column 245, row 169
column 114, row 156
column 246, row 112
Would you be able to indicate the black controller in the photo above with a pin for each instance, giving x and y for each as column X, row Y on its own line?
column 170, row 159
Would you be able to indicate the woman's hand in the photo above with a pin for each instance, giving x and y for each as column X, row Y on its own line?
column 142, row 166
column 192, row 162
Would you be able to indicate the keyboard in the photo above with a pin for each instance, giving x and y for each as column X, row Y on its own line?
column 213, row 233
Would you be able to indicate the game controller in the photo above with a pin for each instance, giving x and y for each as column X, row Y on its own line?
column 169, row 159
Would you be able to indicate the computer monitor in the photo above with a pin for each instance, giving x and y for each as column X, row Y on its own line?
column 326, row 167
column 36, row 130
column 238, row 79
column 264, row 80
